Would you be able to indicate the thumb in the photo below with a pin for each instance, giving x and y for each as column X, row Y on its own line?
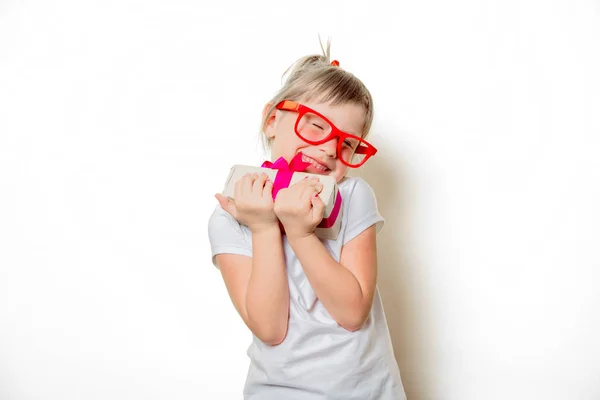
column 226, row 203
column 318, row 208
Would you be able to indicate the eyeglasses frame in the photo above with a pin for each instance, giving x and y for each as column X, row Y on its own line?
column 363, row 147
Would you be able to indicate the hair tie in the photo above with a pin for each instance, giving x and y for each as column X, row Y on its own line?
column 335, row 63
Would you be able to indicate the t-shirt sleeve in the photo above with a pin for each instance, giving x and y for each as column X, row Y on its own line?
column 226, row 235
column 362, row 211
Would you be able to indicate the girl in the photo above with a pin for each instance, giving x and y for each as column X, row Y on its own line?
column 319, row 329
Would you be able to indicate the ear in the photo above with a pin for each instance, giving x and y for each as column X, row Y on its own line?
column 266, row 109
column 270, row 121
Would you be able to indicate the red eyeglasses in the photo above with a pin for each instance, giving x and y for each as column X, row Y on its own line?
column 314, row 128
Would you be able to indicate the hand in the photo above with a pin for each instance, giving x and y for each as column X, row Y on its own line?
column 253, row 204
column 299, row 207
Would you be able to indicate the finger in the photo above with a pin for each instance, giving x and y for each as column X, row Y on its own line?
column 237, row 188
column 246, row 184
column 311, row 180
column 259, row 183
column 226, row 203
column 307, row 180
column 268, row 189
column 310, row 189
column 319, row 187
column 304, row 188
column 314, row 182
column 305, row 197
column 318, row 209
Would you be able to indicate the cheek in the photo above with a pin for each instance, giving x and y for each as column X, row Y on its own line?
column 285, row 131
column 287, row 143
column 347, row 153
column 340, row 173
column 341, row 168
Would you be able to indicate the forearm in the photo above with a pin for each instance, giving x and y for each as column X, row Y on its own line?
column 336, row 287
column 267, row 296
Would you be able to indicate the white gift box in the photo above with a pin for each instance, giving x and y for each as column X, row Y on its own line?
column 329, row 227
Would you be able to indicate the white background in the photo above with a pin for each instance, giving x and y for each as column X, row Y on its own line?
column 119, row 120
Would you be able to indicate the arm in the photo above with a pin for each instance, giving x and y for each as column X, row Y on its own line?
column 258, row 286
column 346, row 288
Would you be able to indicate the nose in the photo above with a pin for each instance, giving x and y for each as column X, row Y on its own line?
column 329, row 147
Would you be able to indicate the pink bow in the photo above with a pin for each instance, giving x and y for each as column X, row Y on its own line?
column 284, row 177
column 285, row 171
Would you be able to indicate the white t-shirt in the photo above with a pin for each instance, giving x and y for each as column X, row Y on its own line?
column 318, row 358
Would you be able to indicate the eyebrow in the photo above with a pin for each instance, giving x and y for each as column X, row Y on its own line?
column 343, row 130
column 352, row 133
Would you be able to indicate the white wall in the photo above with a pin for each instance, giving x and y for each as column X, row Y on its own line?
column 120, row 119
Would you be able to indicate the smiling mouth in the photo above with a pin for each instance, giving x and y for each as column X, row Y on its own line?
column 318, row 166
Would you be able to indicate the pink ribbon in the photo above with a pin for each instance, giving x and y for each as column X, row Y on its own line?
column 285, row 171
column 283, row 178
column 330, row 221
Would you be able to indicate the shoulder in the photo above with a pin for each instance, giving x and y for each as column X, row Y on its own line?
column 360, row 207
column 356, row 186
column 221, row 219
column 358, row 195
column 227, row 235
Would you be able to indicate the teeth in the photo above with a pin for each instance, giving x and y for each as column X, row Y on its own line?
column 315, row 164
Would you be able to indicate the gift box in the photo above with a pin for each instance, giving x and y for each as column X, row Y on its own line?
column 284, row 175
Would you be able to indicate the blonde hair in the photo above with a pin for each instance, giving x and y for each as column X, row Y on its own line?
column 314, row 78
